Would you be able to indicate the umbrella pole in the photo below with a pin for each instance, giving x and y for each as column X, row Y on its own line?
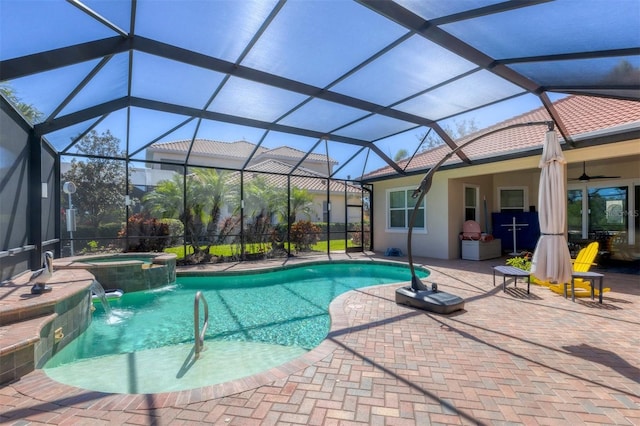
column 418, row 295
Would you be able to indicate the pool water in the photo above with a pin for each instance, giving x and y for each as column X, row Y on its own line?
column 281, row 313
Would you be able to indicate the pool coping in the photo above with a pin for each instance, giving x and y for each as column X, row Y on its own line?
column 81, row 262
column 281, row 267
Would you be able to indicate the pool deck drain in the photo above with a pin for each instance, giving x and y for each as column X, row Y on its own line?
column 508, row 358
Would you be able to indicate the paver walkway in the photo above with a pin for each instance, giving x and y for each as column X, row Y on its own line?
column 508, row 358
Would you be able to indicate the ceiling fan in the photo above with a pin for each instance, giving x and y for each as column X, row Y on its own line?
column 585, row 177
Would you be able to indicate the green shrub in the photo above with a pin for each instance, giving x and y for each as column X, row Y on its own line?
column 523, row 262
column 109, row 230
column 145, row 233
column 334, row 227
column 361, row 237
column 176, row 231
column 304, row 234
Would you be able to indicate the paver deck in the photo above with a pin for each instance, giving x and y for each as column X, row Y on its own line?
column 508, row 358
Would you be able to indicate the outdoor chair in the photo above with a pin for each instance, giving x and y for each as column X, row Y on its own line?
column 471, row 231
column 582, row 263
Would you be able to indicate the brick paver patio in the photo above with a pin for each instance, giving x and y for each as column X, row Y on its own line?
column 508, row 358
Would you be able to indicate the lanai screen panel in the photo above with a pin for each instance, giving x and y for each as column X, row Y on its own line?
column 351, row 72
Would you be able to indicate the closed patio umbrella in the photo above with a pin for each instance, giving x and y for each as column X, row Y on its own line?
column 551, row 258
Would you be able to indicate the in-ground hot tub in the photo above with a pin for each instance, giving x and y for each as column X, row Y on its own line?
column 125, row 271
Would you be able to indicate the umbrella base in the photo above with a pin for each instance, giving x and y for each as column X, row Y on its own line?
column 439, row 302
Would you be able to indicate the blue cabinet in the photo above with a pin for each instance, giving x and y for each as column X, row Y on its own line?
column 527, row 230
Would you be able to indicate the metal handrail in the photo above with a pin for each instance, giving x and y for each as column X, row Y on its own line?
column 199, row 336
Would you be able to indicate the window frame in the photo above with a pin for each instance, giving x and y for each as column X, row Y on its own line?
column 525, row 197
column 408, row 190
column 476, row 207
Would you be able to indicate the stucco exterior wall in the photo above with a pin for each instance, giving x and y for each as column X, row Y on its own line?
column 445, row 214
column 432, row 243
column 445, row 201
column 456, row 207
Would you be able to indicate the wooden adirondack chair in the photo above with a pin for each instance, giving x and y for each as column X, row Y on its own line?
column 582, row 263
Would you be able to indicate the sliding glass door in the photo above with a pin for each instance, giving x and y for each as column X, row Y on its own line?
column 600, row 212
column 575, row 208
column 608, row 207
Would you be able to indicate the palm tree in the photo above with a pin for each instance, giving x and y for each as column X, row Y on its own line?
column 166, row 200
column 28, row 111
column 301, row 203
column 206, row 193
column 210, row 194
column 262, row 198
column 402, row 153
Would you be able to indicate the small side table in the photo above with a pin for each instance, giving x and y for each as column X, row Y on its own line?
column 587, row 276
column 511, row 271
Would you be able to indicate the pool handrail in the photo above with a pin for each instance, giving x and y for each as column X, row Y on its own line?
column 199, row 336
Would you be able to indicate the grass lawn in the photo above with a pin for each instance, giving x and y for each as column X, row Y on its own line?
column 228, row 250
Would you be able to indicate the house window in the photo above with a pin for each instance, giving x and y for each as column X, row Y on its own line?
column 471, row 197
column 325, row 212
column 173, row 167
column 400, row 208
column 513, row 199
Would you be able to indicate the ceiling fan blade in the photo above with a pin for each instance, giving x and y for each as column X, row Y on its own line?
column 585, row 177
column 582, row 177
column 604, row 177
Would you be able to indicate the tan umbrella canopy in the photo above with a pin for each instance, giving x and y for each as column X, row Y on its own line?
column 551, row 258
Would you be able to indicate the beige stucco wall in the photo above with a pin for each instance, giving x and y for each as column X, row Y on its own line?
column 338, row 207
column 456, row 207
column 445, row 200
column 445, row 214
column 433, row 243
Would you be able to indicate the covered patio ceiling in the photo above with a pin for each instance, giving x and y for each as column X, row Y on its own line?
column 352, row 80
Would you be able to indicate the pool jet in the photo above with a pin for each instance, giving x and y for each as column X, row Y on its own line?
column 419, row 295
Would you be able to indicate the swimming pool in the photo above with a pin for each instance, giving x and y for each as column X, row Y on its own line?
column 272, row 315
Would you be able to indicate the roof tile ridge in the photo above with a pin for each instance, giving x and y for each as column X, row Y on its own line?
column 254, row 166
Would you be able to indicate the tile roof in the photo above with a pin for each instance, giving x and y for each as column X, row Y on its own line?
column 580, row 114
column 275, row 166
column 286, row 152
column 320, row 185
column 206, row 147
column 238, row 149
column 303, row 178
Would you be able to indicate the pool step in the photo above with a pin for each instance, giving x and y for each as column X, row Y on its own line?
column 18, row 342
column 34, row 327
